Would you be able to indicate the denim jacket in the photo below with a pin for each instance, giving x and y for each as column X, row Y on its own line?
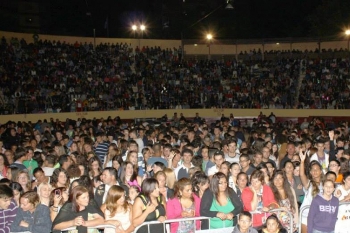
column 39, row 221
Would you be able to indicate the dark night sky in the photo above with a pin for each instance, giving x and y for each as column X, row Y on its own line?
column 168, row 18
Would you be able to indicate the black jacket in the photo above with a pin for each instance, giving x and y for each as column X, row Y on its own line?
column 207, row 201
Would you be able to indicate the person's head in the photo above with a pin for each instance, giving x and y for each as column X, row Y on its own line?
column 272, row 224
column 6, row 194
column 219, row 158
column 334, row 166
column 146, row 152
column 134, row 191
column 29, row 201
column 346, row 179
column 170, row 177
column 44, row 190
column 183, row 189
column 296, row 171
column 242, row 180
column 258, row 158
column 187, row 156
column 244, row 161
column 115, row 198
column 3, row 160
column 328, row 187
column 150, row 188
column 158, row 166
column 200, row 182
column 288, row 167
column 61, row 192
column 133, row 146
column 235, row 168
column 39, row 174
column 270, row 167
column 331, row 176
column 59, row 178
column 315, row 170
column 225, row 168
column 161, row 178
column 218, row 184
column 257, row 179
column 109, row 176
column 79, row 197
column 94, row 166
column 17, row 190
column 24, row 180
column 290, row 149
column 244, row 221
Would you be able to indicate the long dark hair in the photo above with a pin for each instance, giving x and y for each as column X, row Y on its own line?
column 148, row 186
column 286, row 187
column 214, row 184
column 198, row 178
column 123, row 170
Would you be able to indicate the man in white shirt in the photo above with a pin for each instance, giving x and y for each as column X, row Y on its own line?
column 233, row 152
column 109, row 178
column 219, row 158
column 182, row 171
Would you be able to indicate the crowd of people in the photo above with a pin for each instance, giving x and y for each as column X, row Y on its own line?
column 54, row 76
column 87, row 172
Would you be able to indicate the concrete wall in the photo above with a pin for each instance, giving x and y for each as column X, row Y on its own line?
column 190, row 49
column 209, row 113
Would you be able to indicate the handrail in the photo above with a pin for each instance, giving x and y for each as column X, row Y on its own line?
column 278, row 210
column 308, row 207
column 290, row 217
column 171, row 221
column 102, row 226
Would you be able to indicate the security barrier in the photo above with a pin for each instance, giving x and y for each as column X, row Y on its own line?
column 289, row 214
column 172, row 221
column 343, row 218
column 99, row 227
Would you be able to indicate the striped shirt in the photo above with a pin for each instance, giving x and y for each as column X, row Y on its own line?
column 7, row 217
column 101, row 150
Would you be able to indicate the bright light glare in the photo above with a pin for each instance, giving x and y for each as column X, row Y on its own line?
column 142, row 27
column 347, row 32
column 134, row 27
column 209, row 36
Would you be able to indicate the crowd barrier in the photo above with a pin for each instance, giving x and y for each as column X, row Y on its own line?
column 176, row 220
column 278, row 213
column 221, row 230
column 343, row 221
column 99, row 227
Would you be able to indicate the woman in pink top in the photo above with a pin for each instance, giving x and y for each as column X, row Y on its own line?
column 184, row 205
column 258, row 197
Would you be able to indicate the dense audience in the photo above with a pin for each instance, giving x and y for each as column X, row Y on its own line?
column 250, row 176
column 54, row 76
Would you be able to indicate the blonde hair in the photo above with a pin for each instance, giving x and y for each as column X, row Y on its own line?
column 42, row 185
column 170, row 177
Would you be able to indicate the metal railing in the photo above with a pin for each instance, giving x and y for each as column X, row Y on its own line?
column 308, row 207
column 102, row 226
column 290, row 215
column 168, row 221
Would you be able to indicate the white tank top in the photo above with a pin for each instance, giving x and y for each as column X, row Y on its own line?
column 122, row 217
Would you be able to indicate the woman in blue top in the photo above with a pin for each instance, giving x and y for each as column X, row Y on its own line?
column 221, row 203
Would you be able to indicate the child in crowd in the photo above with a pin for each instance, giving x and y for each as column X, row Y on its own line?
column 134, row 191
column 244, row 224
column 273, row 225
column 323, row 210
